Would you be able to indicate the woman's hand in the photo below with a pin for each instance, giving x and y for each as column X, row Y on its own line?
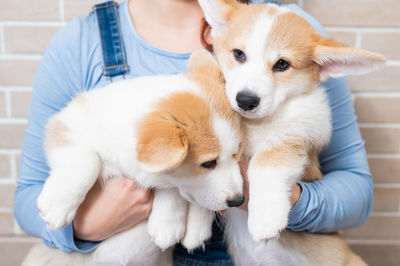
column 244, row 165
column 111, row 208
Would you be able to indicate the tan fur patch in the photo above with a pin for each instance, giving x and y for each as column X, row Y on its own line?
column 321, row 249
column 285, row 154
column 183, row 120
column 288, row 153
column 242, row 17
column 292, row 36
column 57, row 133
column 207, row 73
column 312, row 171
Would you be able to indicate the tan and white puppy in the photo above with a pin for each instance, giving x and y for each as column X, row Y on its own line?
column 176, row 134
column 272, row 60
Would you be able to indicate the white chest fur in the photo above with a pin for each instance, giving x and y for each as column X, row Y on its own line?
column 306, row 117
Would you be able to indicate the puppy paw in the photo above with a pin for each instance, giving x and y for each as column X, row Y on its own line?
column 198, row 227
column 166, row 233
column 56, row 207
column 267, row 225
column 196, row 236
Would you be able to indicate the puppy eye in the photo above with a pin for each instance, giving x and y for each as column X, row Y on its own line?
column 239, row 55
column 209, row 164
column 281, row 65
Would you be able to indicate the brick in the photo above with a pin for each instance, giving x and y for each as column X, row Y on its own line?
column 382, row 109
column 5, row 166
column 355, row 12
column 6, row 223
column 12, row 136
column 377, row 227
column 16, row 38
column 386, row 199
column 386, row 79
column 381, row 140
column 17, row 72
column 385, row 170
column 14, row 250
column 20, row 103
column 378, row 254
column 385, row 43
column 73, row 8
column 29, row 10
column 7, row 195
column 2, row 104
column 348, row 38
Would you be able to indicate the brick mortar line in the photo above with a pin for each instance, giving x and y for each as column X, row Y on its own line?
column 383, row 155
column 373, row 241
column 19, row 238
column 7, row 56
column 13, row 121
column 15, row 88
column 10, row 151
column 6, row 209
column 61, row 10
column 358, row 39
column 363, row 29
column 386, row 214
column 387, row 185
column 2, row 41
column 393, row 63
column 379, row 125
column 369, row 94
column 13, row 165
column 7, row 99
column 48, row 23
column 7, row 181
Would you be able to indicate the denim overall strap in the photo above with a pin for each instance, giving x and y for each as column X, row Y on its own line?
column 274, row 2
column 265, row 2
column 114, row 59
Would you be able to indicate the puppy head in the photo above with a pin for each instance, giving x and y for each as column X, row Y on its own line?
column 191, row 146
column 269, row 54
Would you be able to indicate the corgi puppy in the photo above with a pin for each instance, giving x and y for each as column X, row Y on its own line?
column 176, row 134
column 273, row 60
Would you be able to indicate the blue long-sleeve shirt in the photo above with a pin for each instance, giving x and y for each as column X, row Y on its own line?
column 72, row 64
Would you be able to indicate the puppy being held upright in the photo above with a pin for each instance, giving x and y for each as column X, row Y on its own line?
column 273, row 60
column 171, row 133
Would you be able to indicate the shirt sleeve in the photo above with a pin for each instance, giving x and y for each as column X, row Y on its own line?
column 344, row 197
column 59, row 78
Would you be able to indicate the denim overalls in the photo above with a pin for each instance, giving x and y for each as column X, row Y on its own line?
column 114, row 64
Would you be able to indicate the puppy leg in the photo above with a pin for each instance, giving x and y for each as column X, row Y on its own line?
column 74, row 170
column 167, row 221
column 198, row 226
column 271, row 175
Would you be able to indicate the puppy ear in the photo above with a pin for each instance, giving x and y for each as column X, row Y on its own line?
column 162, row 143
column 200, row 59
column 217, row 13
column 338, row 60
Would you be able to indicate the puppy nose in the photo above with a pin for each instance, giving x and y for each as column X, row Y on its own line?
column 236, row 201
column 247, row 100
